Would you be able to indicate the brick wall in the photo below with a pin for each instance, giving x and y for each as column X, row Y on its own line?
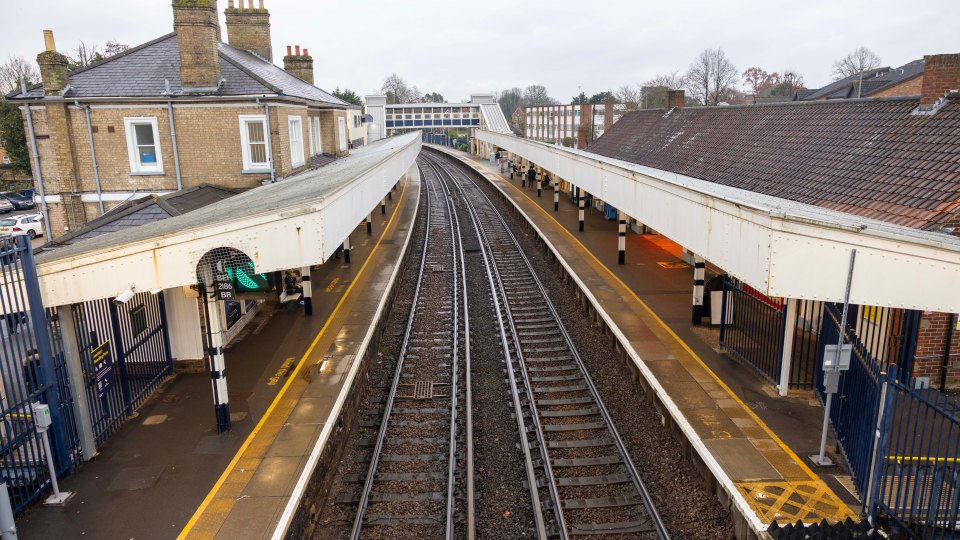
column 931, row 340
column 249, row 29
column 906, row 88
column 941, row 72
column 208, row 142
column 329, row 131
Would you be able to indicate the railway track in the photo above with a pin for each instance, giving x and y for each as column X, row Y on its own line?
column 579, row 474
column 419, row 480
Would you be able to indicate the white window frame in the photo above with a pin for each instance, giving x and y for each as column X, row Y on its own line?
column 297, row 159
column 248, row 164
column 310, row 135
column 342, row 132
column 319, row 138
column 135, row 166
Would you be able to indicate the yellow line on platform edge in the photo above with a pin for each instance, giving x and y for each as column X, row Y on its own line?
column 783, row 446
column 266, row 415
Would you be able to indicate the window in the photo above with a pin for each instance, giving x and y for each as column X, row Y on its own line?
column 296, row 140
column 253, row 142
column 311, row 137
column 138, row 320
column 316, row 140
column 143, row 145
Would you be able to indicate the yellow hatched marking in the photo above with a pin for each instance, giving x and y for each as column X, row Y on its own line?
column 791, row 501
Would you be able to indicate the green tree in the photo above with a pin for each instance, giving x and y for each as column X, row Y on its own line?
column 433, row 97
column 580, row 99
column 347, row 95
column 600, row 97
column 13, row 138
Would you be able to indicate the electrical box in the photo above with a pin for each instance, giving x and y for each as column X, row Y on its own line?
column 41, row 415
column 830, row 360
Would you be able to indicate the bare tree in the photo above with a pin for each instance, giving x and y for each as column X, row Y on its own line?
column 653, row 92
column 398, row 91
column 786, row 85
column 510, row 100
column 14, row 69
column 758, row 81
column 860, row 60
column 112, row 48
column 85, row 54
column 711, row 77
column 629, row 95
column 536, row 95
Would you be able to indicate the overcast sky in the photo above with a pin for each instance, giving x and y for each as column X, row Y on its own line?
column 456, row 48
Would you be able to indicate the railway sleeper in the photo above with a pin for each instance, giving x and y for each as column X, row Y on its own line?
column 582, row 443
column 557, row 378
column 603, row 480
column 586, row 462
column 601, row 502
column 588, row 426
column 622, row 527
column 590, row 411
column 390, row 520
column 551, row 369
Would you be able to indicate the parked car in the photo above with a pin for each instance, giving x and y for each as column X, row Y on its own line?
column 6, row 206
column 26, row 224
column 18, row 200
column 28, row 193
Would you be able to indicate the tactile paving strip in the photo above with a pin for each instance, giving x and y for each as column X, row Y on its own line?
column 807, row 501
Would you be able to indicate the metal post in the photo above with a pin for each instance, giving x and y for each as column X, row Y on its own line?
column 383, row 207
column 72, row 359
column 165, row 330
column 788, row 330
column 38, row 320
column 821, row 459
column 370, row 223
column 93, row 156
column 581, row 202
column 58, row 498
column 390, row 195
column 121, row 357
column 346, row 249
column 307, row 290
column 173, row 138
column 622, row 238
column 556, row 195
column 699, row 271
column 218, row 375
column 8, row 527
column 868, row 500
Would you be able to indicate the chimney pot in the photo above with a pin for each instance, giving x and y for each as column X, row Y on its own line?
column 48, row 42
column 297, row 48
column 249, row 29
column 305, row 53
column 198, row 30
column 675, row 99
column 289, row 50
column 230, row 4
column 250, row 4
column 261, row 4
column 941, row 73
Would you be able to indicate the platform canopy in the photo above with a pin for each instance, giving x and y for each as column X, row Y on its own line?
column 296, row 222
column 780, row 247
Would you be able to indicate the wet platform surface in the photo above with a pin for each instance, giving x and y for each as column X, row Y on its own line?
column 718, row 403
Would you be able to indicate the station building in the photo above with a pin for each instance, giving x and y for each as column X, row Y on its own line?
column 179, row 111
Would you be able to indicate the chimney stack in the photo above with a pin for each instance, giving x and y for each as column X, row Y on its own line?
column 198, row 30
column 53, row 67
column 248, row 28
column 675, row 99
column 299, row 64
column 941, row 73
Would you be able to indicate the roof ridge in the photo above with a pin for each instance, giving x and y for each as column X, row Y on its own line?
column 244, row 69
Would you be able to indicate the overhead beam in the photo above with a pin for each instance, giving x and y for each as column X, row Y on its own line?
column 782, row 248
column 290, row 236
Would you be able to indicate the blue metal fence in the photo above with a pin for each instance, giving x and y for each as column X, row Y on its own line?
column 32, row 369
column 916, row 477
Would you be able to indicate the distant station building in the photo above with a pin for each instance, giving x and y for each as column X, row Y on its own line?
column 578, row 125
column 178, row 111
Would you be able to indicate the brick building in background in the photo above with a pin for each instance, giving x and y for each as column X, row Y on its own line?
column 182, row 110
column 892, row 159
column 581, row 123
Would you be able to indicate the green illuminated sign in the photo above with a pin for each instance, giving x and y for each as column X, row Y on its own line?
column 245, row 279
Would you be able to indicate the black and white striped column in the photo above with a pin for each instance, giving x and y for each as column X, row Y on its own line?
column 346, row 249
column 622, row 240
column 523, row 176
column 218, row 373
column 581, row 203
column 307, row 290
column 370, row 223
column 699, row 271
column 540, row 183
column 556, row 195
column 383, row 207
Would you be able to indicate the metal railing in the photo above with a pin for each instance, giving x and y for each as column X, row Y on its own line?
column 751, row 328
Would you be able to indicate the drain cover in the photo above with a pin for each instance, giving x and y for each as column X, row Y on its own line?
column 423, row 390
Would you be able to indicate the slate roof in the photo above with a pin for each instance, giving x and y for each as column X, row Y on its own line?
column 874, row 80
column 868, row 157
column 142, row 72
column 147, row 209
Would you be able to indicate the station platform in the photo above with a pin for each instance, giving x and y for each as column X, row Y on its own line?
column 167, row 472
column 743, row 436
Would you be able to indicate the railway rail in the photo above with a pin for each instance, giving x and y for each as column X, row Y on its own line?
column 412, row 485
column 579, row 473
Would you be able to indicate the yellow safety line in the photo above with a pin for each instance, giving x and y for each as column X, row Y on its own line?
column 899, row 459
column 776, row 439
column 293, row 375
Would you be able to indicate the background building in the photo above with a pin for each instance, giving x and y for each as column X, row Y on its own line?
column 555, row 123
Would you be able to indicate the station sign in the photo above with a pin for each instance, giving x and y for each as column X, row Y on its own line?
column 103, row 371
column 244, row 278
column 223, row 287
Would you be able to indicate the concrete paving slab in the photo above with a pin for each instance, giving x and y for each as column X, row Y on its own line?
column 741, row 460
column 135, row 478
column 294, row 440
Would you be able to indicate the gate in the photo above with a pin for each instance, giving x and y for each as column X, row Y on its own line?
column 916, row 477
column 125, row 353
column 32, row 369
column 751, row 328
